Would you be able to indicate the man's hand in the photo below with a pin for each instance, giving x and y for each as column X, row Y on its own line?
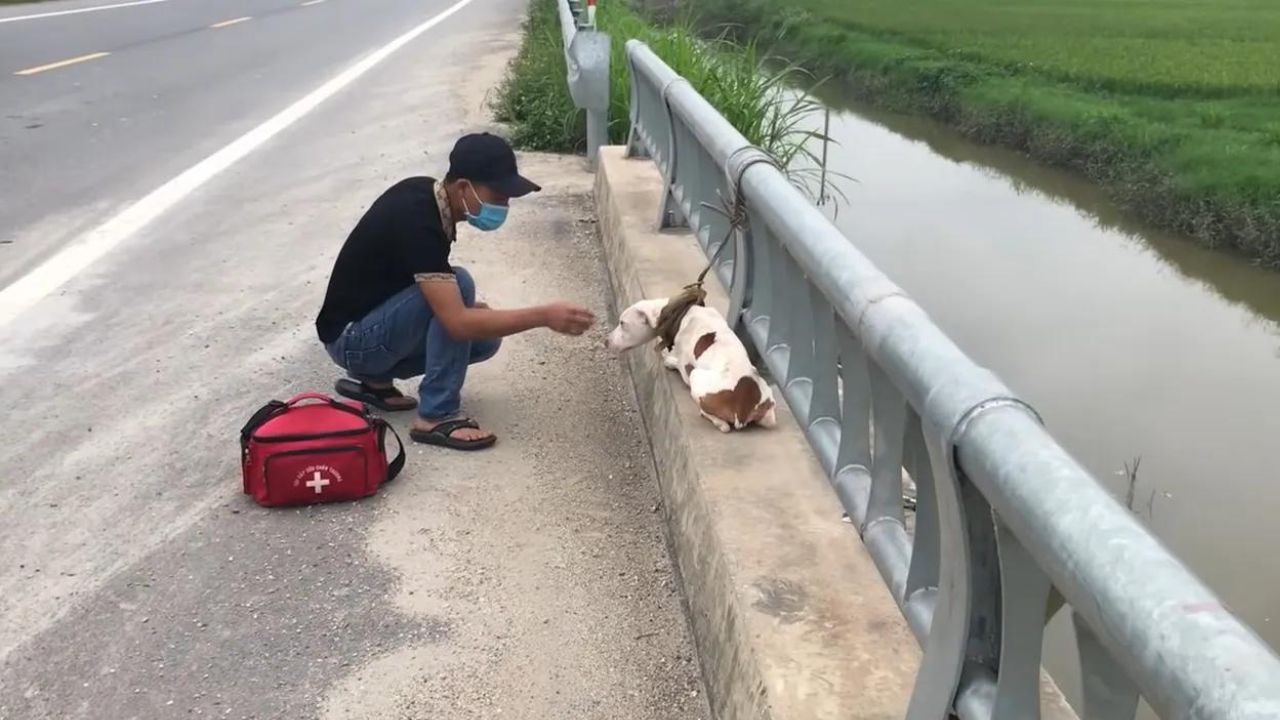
column 568, row 319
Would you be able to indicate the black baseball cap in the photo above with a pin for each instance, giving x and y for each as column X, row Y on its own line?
column 489, row 160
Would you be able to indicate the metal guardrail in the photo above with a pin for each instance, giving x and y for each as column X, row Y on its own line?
column 586, row 54
column 1005, row 520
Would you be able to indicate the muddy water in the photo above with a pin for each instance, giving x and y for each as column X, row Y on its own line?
column 1131, row 343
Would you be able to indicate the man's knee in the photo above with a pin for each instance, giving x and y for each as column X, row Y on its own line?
column 466, row 285
column 485, row 349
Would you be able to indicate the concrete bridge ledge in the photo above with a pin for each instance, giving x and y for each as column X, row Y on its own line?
column 790, row 617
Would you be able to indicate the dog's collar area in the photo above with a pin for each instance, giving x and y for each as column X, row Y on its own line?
column 668, row 324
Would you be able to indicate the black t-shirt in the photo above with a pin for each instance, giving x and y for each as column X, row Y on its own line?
column 399, row 237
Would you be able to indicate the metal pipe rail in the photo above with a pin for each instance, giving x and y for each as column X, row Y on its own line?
column 1008, row 526
column 586, row 56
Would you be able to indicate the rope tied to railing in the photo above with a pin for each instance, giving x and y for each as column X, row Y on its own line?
column 734, row 210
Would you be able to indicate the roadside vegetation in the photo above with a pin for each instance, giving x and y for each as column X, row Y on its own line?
column 1172, row 106
column 752, row 91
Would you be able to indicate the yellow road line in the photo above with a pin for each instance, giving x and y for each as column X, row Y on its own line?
column 62, row 63
column 229, row 23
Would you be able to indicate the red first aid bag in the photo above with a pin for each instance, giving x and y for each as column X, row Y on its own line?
column 314, row 449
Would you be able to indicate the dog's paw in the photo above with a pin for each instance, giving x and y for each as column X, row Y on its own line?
column 721, row 425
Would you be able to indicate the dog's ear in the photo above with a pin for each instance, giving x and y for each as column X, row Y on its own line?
column 650, row 310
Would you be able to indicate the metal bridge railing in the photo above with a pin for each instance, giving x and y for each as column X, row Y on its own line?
column 586, row 55
column 1008, row 526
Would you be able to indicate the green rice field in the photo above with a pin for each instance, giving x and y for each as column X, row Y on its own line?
column 1173, row 106
column 1163, row 47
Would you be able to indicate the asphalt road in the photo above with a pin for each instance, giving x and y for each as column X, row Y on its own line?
column 80, row 141
column 168, row 216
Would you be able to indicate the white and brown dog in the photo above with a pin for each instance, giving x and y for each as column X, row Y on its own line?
column 711, row 359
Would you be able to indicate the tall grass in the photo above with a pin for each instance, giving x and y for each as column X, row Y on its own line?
column 534, row 97
column 753, row 91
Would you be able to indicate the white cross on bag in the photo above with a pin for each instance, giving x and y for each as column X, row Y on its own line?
column 317, row 482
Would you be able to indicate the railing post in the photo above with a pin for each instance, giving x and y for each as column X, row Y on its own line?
column 1108, row 692
column 635, row 144
column 586, row 53
column 597, row 131
column 670, row 214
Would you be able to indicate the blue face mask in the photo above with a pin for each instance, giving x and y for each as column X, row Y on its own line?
column 490, row 217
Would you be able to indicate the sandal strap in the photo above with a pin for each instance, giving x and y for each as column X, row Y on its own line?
column 449, row 427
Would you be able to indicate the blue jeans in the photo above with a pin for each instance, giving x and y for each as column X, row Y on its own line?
column 401, row 338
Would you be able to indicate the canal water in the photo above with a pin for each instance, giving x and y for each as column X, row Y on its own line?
column 1132, row 343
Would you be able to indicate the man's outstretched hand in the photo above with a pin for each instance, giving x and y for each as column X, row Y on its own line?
column 568, row 319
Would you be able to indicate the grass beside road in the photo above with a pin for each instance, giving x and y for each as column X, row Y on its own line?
column 732, row 76
column 534, row 96
column 1173, row 106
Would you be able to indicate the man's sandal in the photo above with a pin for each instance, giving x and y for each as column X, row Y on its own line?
column 442, row 435
column 376, row 397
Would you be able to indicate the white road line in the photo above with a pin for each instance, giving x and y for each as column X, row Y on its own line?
column 309, row 3
column 73, row 259
column 77, row 11
column 229, row 23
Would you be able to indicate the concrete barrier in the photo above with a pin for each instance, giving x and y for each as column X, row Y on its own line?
column 789, row 615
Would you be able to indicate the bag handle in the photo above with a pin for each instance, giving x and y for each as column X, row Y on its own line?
column 395, row 466
column 263, row 414
column 303, row 397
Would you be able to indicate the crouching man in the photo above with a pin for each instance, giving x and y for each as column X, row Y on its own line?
column 396, row 308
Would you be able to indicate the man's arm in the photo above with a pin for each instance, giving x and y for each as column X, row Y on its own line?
column 464, row 323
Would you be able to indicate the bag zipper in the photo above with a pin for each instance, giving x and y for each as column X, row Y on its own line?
column 313, row 436
column 365, row 415
column 314, row 451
